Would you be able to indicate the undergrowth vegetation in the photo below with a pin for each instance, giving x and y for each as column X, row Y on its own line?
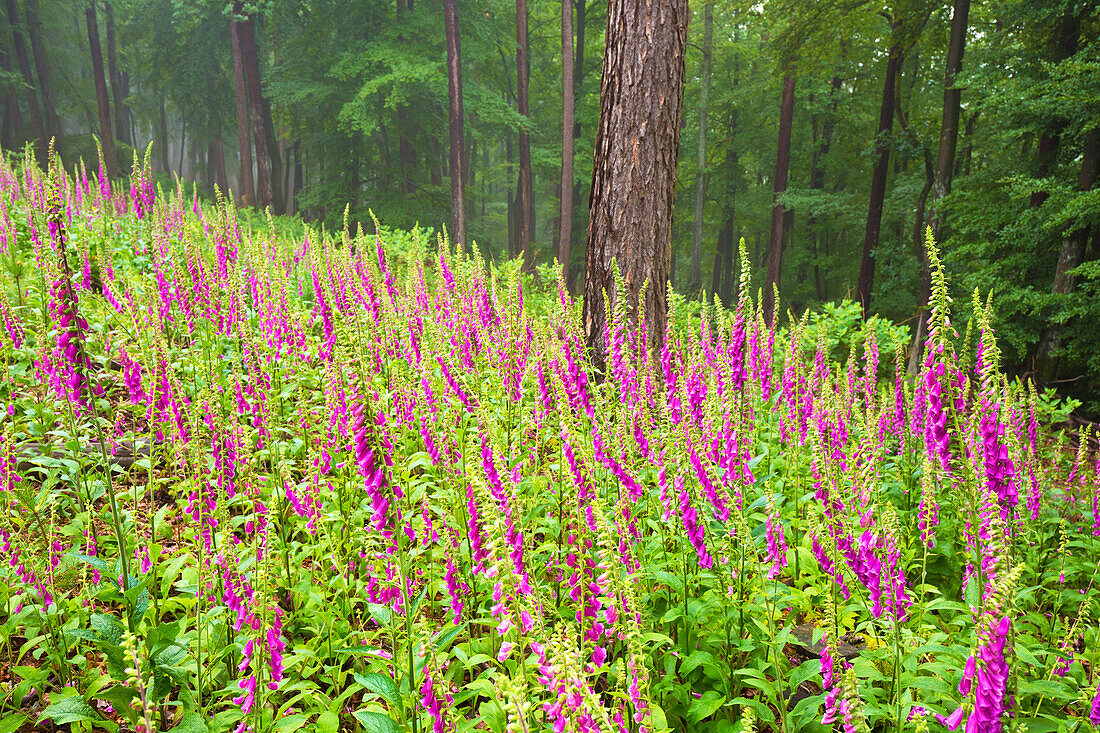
column 252, row 481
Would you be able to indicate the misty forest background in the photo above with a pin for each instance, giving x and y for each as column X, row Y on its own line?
column 334, row 103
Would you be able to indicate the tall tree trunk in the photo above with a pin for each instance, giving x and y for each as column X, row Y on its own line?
column 1068, row 31
column 817, row 178
column 406, row 153
column 118, row 90
column 454, row 97
column 945, row 165
column 162, row 138
column 183, row 144
column 42, row 68
column 1072, row 251
column 526, row 230
column 246, row 192
column 695, row 277
column 12, row 121
column 250, row 56
column 565, row 214
column 579, row 206
column 878, row 176
column 782, row 166
column 274, row 157
column 722, row 279
column 106, row 138
column 634, row 167
column 962, row 162
column 23, row 59
column 217, row 152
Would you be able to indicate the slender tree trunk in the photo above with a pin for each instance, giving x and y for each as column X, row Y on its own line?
column 217, row 150
column 526, row 229
column 246, row 192
column 962, row 162
column 437, row 162
column 817, row 179
column 1069, row 28
column 878, row 177
column 695, row 277
column 162, row 138
column 118, row 90
column 579, row 204
column 183, row 144
column 406, row 153
column 12, row 121
column 634, row 167
column 106, row 138
column 23, row 59
column 42, row 68
column 945, row 166
column 1072, row 251
column 454, row 97
column 565, row 215
column 782, row 166
column 276, row 160
column 251, row 58
column 722, row 279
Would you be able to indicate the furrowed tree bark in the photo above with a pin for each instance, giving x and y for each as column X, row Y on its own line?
column 454, row 98
column 1069, row 257
column 106, row 137
column 246, row 192
column 526, row 231
column 945, row 165
column 878, row 176
column 42, row 69
column 565, row 214
column 782, row 166
column 250, row 56
column 23, row 59
column 118, row 86
column 634, row 167
column 695, row 277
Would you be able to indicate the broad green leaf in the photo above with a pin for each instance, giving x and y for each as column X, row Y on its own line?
column 380, row 684
column 69, row 710
column 373, row 722
column 703, row 707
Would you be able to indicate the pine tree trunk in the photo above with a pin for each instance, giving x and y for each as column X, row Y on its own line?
column 579, row 207
column 106, row 138
column 565, row 214
column 782, row 167
column 42, row 68
column 246, row 192
column 251, row 58
column 406, row 153
column 526, row 232
column 118, row 90
column 454, row 97
column 695, row 277
column 23, row 59
column 878, row 178
column 634, row 167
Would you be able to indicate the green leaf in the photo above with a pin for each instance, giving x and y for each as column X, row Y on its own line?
column 328, row 722
column 12, row 723
column 291, row 723
column 69, row 710
column 374, row 722
column 695, row 659
column 703, row 707
column 108, row 627
column 192, row 723
column 381, row 684
column 446, row 637
column 98, row 563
